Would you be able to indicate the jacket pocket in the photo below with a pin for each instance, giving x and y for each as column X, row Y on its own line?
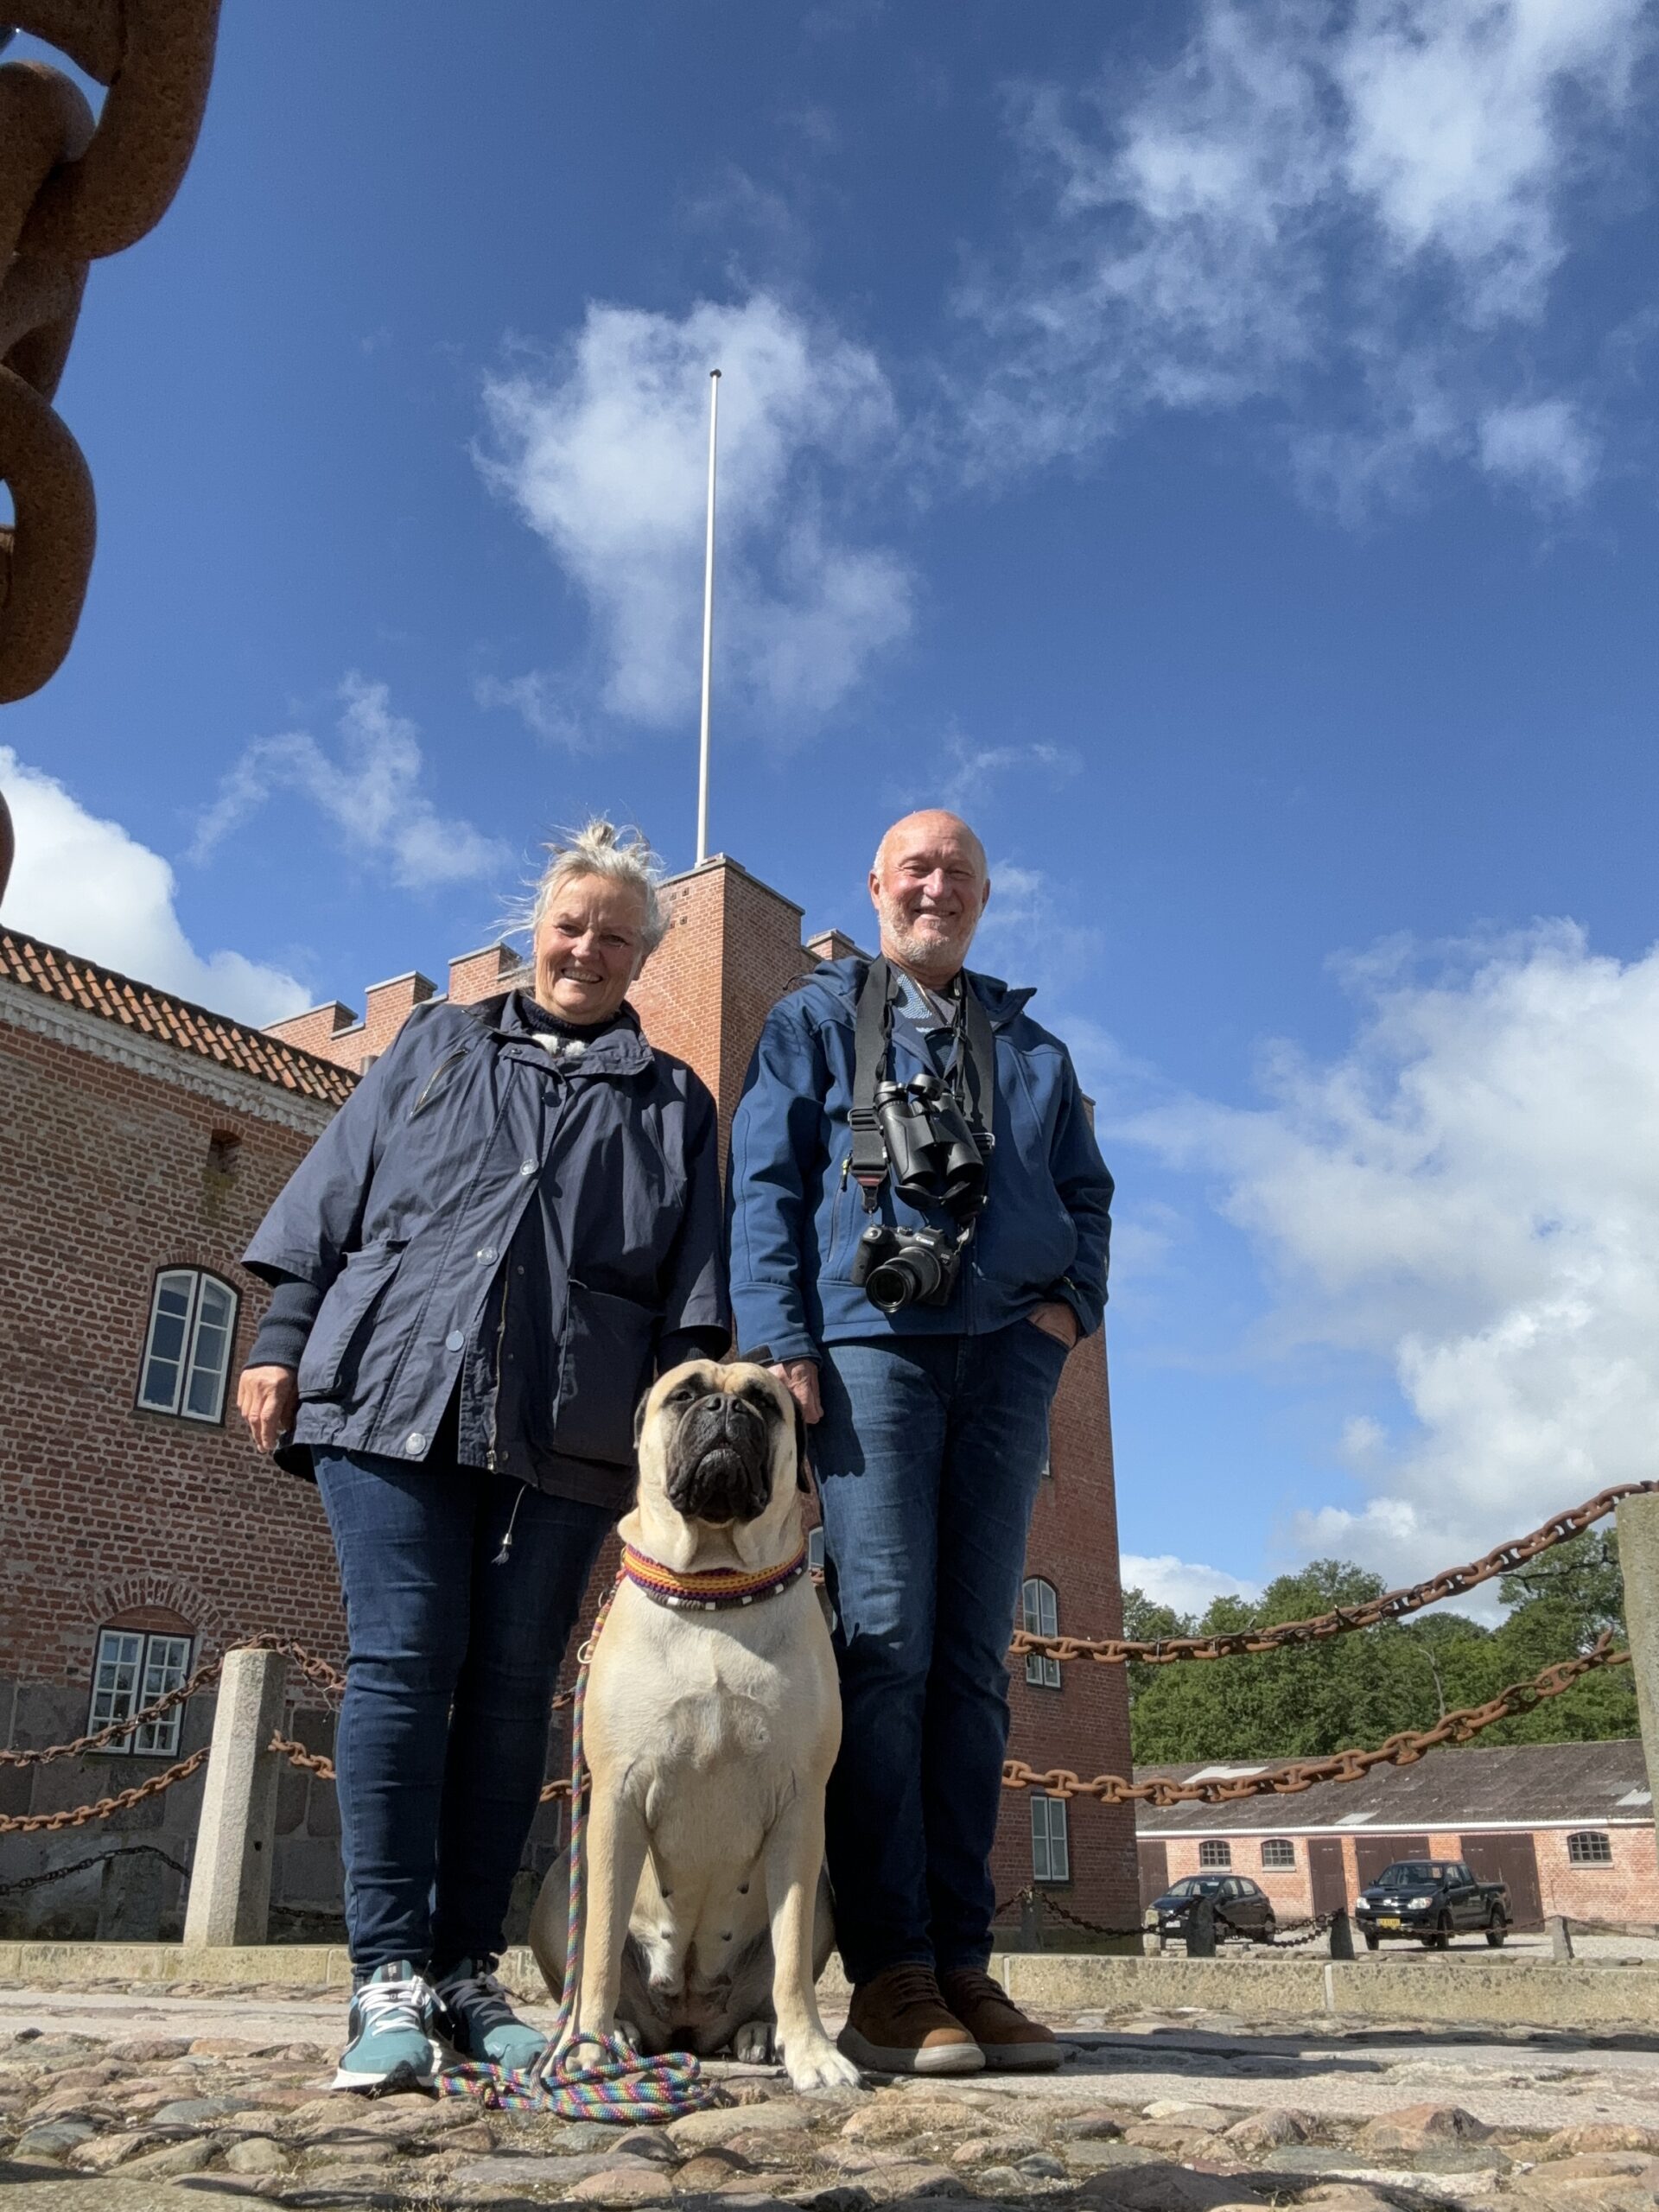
column 439, row 1076
column 605, row 1364
column 339, row 1333
column 846, row 1204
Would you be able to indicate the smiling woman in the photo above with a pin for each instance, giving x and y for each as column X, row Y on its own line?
column 510, row 1228
column 595, row 920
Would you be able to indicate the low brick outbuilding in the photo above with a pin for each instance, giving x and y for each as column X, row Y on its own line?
column 1569, row 1826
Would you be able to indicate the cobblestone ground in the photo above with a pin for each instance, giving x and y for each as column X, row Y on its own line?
column 182, row 2100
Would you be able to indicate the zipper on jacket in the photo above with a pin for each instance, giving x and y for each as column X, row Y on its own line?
column 442, row 1068
column 500, row 1340
column 846, row 1169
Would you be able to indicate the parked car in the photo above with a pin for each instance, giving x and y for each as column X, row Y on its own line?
column 1241, row 1908
column 1429, row 1901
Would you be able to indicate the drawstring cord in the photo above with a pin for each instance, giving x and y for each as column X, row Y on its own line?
column 503, row 1558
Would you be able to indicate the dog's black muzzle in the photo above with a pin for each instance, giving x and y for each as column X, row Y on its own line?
column 720, row 1468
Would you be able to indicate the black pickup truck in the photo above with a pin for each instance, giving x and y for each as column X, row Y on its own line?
column 1429, row 1901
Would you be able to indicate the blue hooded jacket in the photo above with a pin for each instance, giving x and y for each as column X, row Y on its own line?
column 794, row 1214
column 532, row 1225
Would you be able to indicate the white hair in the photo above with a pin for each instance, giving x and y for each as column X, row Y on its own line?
column 599, row 847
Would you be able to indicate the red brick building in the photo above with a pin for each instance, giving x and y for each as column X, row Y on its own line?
column 144, row 1139
column 1569, row 1826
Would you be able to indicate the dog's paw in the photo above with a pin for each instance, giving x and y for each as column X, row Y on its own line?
column 630, row 2035
column 756, row 2044
column 821, row 2066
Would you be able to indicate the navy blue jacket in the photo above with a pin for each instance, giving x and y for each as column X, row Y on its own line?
column 796, row 1214
column 529, row 1225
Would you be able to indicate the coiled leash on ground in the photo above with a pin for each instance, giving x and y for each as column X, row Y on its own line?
column 585, row 2076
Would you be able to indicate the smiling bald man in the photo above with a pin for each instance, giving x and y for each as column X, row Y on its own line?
column 920, row 1306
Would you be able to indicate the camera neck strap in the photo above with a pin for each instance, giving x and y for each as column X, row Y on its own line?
column 973, row 1068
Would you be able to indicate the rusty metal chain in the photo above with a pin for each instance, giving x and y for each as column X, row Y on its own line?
column 82, row 1865
column 317, row 1672
column 98, row 1737
column 78, row 1817
column 1075, row 1919
column 322, row 1766
column 1392, row 1606
column 1297, row 1775
column 72, row 190
column 1309, row 1931
column 317, row 1763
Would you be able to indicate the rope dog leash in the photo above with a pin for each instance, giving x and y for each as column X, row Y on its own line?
column 585, row 2076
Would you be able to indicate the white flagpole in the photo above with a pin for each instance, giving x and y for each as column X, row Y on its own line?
column 707, row 622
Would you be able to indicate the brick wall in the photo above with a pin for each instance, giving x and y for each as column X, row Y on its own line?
column 108, row 1176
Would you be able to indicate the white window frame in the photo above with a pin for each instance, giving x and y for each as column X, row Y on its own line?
column 131, row 1668
column 1214, row 1853
column 199, row 1306
column 1589, row 1847
column 1051, row 1840
column 1039, row 1614
column 1284, row 1862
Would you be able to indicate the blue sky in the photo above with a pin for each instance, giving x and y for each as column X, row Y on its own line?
column 1209, row 444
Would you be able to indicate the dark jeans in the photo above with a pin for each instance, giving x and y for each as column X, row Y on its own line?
column 928, row 1458
column 442, row 1735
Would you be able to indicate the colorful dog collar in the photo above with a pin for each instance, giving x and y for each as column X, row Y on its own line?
column 718, row 1589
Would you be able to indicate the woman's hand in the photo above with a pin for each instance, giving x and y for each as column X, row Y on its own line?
column 268, row 1398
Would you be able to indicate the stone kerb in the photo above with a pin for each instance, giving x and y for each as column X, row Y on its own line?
column 1519, row 1994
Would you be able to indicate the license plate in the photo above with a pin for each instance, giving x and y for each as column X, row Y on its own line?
column 1387, row 1920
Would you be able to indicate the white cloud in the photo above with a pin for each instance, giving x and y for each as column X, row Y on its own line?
column 88, row 885
column 972, row 769
column 1544, row 445
column 606, row 459
column 1186, row 1586
column 1029, row 936
column 1468, row 1192
column 1456, row 141
column 540, row 702
column 371, row 794
column 1314, row 200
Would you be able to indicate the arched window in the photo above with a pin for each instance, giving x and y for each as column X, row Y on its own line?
column 1589, row 1847
column 1278, row 1851
column 1040, row 1613
column 188, row 1347
column 1215, row 1852
column 139, row 1657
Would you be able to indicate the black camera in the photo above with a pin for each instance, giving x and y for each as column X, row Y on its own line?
column 906, row 1267
column 932, row 1152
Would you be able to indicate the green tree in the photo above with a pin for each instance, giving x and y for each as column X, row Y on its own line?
column 1360, row 1688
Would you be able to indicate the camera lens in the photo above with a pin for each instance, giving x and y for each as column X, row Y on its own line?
column 910, row 1275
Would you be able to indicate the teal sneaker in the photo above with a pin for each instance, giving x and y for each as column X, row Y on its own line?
column 390, row 2043
column 480, row 2022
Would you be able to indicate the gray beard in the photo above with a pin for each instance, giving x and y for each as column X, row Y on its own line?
column 923, row 953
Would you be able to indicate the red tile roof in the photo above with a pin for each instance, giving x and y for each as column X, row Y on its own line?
column 74, row 982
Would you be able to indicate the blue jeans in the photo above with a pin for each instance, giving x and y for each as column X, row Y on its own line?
column 928, row 1458
column 452, row 1662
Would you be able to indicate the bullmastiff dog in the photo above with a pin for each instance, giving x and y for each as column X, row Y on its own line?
column 712, row 1720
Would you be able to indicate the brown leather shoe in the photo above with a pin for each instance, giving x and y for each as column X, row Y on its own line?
column 1012, row 2043
column 899, row 2023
